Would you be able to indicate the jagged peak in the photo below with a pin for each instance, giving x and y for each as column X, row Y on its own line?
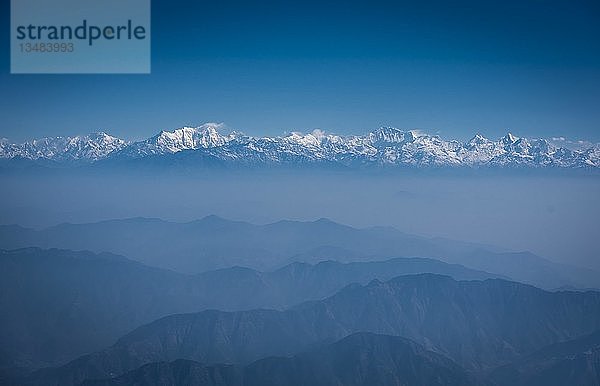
column 522, row 141
column 314, row 138
column 478, row 139
column 391, row 135
column 188, row 138
column 103, row 137
column 209, row 127
column 509, row 138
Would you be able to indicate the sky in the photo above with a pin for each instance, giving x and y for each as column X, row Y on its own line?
column 450, row 68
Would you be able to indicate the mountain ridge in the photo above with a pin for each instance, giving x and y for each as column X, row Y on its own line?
column 213, row 242
column 65, row 303
column 478, row 324
column 385, row 146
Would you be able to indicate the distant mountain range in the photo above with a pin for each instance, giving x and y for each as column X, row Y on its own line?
column 213, row 242
column 60, row 304
column 479, row 325
column 207, row 146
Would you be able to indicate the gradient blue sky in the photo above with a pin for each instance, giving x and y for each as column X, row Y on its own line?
column 454, row 68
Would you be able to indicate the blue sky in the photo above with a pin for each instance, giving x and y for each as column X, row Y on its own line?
column 532, row 67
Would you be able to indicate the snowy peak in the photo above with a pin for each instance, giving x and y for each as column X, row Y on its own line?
column 390, row 135
column 208, row 135
column 478, row 140
column 384, row 146
column 184, row 138
column 94, row 146
column 86, row 148
column 175, row 140
column 509, row 139
column 315, row 139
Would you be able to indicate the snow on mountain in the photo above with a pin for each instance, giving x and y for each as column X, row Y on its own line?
column 385, row 146
column 185, row 138
column 566, row 143
column 592, row 156
column 87, row 148
column 388, row 135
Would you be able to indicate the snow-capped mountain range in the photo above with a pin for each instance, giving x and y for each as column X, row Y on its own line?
column 87, row 148
column 384, row 146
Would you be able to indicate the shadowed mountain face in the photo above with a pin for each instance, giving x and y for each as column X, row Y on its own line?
column 359, row 359
column 575, row 362
column 478, row 324
column 62, row 304
column 213, row 243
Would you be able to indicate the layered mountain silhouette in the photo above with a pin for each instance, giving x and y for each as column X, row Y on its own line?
column 61, row 304
column 478, row 324
column 360, row 359
column 219, row 302
column 214, row 242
